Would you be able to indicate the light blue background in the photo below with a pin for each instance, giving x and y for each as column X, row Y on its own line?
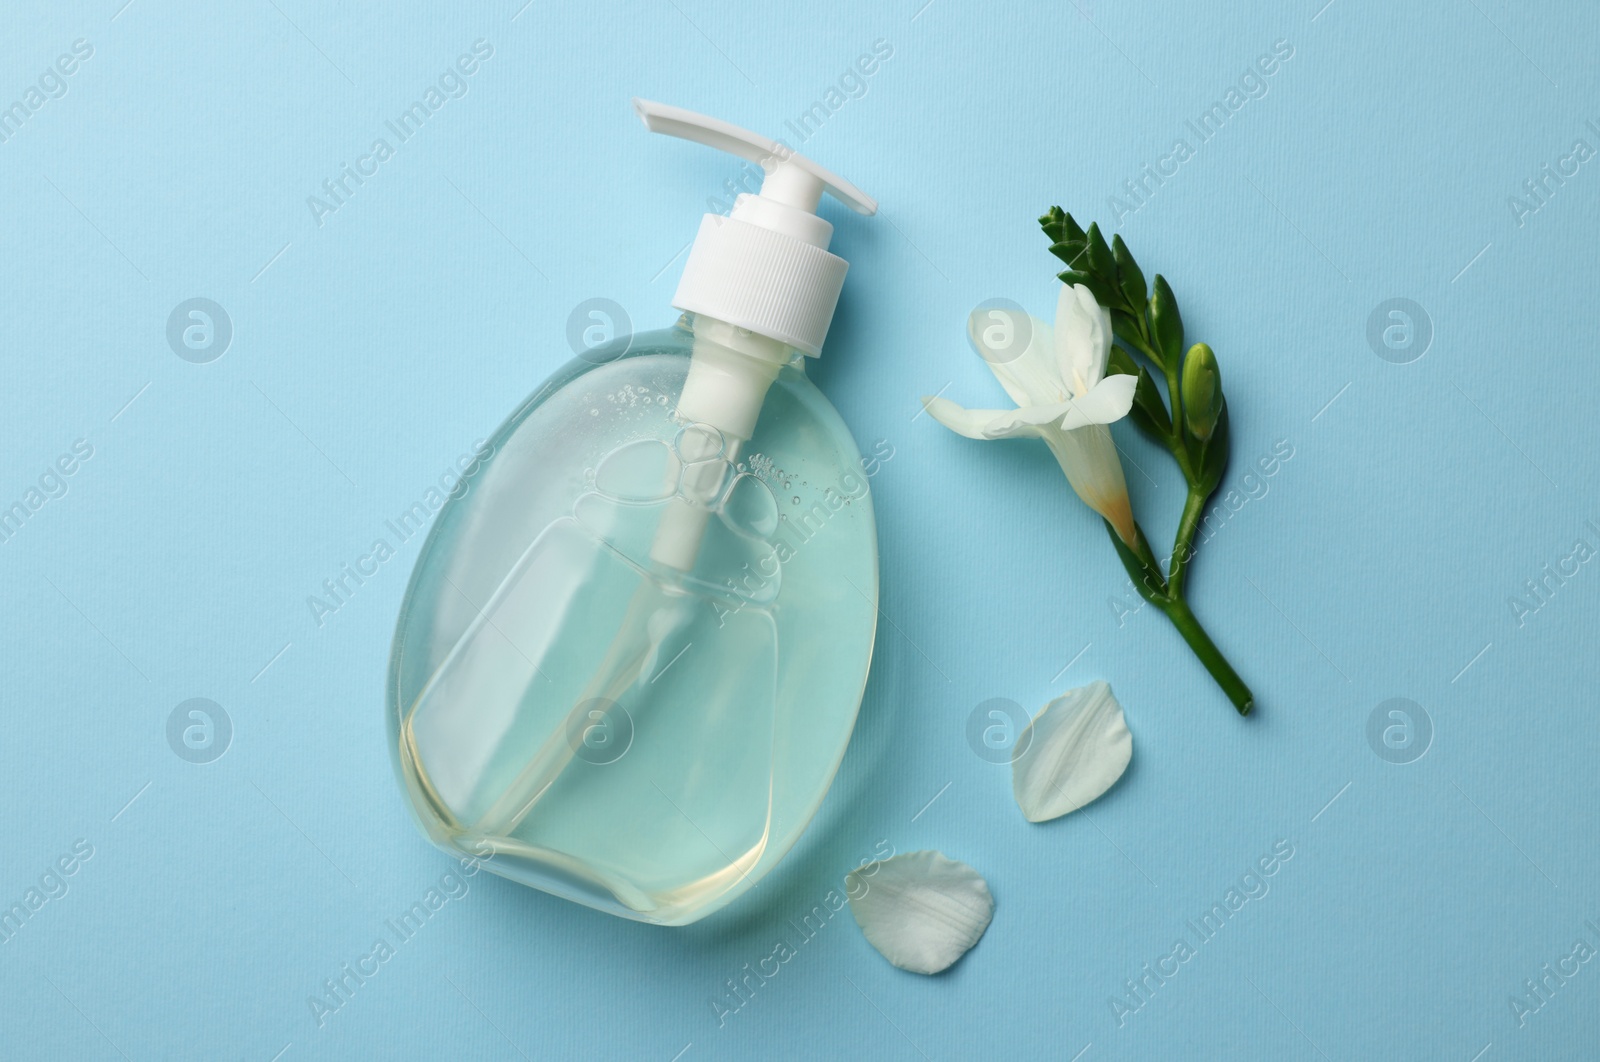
column 371, row 350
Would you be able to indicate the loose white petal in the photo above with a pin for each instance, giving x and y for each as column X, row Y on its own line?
column 921, row 910
column 1073, row 751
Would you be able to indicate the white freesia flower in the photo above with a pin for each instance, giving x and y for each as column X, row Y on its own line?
column 1074, row 750
column 921, row 910
column 1063, row 397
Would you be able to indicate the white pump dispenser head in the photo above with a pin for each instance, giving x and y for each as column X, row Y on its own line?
column 765, row 267
column 760, row 283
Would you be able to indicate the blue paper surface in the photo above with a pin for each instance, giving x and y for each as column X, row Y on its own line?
column 358, row 336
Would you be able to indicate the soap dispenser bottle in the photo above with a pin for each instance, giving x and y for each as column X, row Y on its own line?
column 632, row 651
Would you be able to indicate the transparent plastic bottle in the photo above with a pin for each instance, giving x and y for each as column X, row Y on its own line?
column 633, row 648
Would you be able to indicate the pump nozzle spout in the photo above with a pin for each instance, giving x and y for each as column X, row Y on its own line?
column 792, row 179
column 764, row 266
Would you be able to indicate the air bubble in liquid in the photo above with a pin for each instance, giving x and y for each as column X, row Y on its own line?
column 641, row 471
column 750, row 507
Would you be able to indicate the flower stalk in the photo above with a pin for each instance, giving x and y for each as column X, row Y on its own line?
column 1166, row 593
column 1190, row 420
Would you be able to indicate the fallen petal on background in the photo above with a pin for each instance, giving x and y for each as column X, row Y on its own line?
column 1074, row 750
column 921, row 910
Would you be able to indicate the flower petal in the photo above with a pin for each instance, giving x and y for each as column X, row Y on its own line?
column 1074, row 750
column 995, row 423
column 1106, row 402
column 968, row 422
column 1089, row 458
column 1030, row 376
column 921, row 910
column 1082, row 338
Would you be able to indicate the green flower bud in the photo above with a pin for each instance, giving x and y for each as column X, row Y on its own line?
column 1202, row 391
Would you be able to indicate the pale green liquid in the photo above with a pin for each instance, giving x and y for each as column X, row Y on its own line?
column 643, row 740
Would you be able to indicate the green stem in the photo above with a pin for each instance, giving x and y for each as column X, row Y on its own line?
column 1166, row 593
column 1178, row 612
column 1183, row 543
column 1173, row 439
column 1145, row 571
column 1142, row 343
column 1175, row 404
column 1172, row 369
